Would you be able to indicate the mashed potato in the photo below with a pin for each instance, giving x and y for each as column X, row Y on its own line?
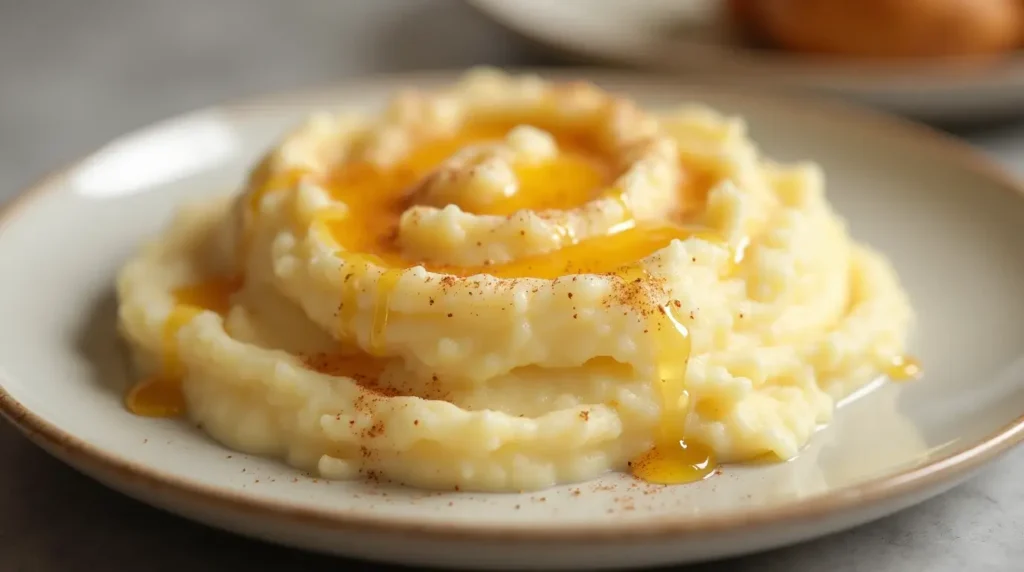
column 510, row 284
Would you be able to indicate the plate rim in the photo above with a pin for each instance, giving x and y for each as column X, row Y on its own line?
column 79, row 453
column 814, row 71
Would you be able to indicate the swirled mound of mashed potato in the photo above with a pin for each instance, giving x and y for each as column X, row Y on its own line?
column 509, row 284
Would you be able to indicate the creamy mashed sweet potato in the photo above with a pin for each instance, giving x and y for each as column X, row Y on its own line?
column 510, row 284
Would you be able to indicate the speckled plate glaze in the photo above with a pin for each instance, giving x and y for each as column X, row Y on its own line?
column 950, row 221
column 690, row 36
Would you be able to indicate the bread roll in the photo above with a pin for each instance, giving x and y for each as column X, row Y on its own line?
column 888, row 28
column 743, row 13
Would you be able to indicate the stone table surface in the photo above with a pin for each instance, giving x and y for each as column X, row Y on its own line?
column 74, row 74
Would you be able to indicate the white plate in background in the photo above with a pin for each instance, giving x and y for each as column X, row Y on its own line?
column 691, row 38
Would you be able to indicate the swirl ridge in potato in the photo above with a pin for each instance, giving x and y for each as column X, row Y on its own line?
column 510, row 284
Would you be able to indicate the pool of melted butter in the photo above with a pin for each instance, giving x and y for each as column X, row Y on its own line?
column 376, row 199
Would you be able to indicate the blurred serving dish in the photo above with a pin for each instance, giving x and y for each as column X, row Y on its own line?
column 930, row 59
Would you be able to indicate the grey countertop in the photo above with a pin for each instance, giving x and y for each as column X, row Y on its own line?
column 74, row 74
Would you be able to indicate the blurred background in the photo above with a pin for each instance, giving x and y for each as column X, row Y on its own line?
column 76, row 73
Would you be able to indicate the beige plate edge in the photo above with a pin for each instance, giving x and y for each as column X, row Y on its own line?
column 949, row 468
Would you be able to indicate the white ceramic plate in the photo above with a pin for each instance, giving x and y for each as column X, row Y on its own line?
column 949, row 220
column 690, row 36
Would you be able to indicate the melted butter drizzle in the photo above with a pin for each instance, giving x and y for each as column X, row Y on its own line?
column 672, row 459
column 385, row 287
column 161, row 395
column 377, row 197
column 904, row 368
column 376, row 200
column 558, row 184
